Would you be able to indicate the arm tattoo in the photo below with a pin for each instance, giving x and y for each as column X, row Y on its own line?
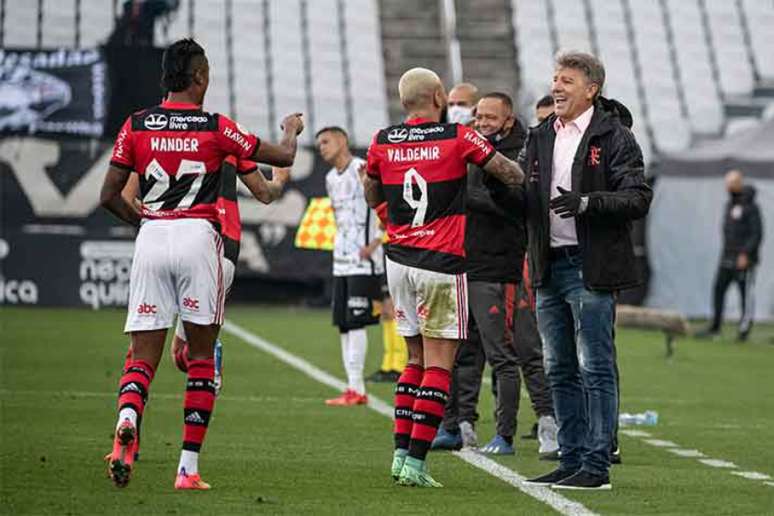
column 506, row 170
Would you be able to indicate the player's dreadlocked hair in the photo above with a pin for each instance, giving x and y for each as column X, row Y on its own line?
column 176, row 73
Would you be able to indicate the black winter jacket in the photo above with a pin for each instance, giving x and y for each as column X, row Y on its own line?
column 608, row 168
column 742, row 228
column 495, row 234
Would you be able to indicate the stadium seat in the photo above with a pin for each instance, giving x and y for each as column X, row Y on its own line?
column 572, row 34
column 96, row 22
column 20, row 27
column 760, row 20
column 728, row 42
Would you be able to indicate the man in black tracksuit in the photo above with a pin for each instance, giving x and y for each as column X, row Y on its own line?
column 742, row 235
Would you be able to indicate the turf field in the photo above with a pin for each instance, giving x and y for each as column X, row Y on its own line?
column 274, row 447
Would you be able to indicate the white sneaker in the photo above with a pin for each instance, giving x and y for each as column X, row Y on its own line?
column 469, row 439
column 547, row 436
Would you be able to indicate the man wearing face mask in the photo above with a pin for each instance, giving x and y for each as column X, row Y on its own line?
column 462, row 101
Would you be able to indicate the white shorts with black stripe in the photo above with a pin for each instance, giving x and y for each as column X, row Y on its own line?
column 429, row 303
column 177, row 269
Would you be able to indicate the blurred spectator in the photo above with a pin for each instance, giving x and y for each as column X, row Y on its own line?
column 544, row 108
column 462, row 101
column 136, row 24
column 742, row 235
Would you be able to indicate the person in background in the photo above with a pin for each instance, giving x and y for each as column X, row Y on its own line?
column 357, row 260
column 544, row 108
column 462, row 102
column 742, row 235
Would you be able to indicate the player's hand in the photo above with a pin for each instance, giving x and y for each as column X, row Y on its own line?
column 293, row 122
column 281, row 175
column 365, row 252
column 568, row 204
column 742, row 261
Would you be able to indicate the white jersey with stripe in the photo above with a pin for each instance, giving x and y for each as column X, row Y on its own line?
column 356, row 224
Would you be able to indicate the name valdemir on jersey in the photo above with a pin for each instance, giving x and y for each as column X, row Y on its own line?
column 414, row 154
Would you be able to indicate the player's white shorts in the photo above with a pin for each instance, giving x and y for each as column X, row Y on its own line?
column 228, row 276
column 429, row 303
column 177, row 269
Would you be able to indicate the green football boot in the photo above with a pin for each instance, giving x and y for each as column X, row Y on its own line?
column 414, row 474
column 398, row 458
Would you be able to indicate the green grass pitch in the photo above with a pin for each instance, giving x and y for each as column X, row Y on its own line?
column 274, row 448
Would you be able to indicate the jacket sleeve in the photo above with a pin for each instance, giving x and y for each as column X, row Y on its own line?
column 479, row 198
column 756, row 230
column 629, row 195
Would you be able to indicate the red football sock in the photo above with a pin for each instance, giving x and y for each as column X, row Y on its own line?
column 198, row 403
column 405, row 394
column 133, row 387
column 428, row 410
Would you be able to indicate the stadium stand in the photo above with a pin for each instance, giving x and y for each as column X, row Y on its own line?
column 687, row 69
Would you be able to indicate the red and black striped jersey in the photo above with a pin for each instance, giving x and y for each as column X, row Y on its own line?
column 178, row 150
column 422, row 166
column 227, row 204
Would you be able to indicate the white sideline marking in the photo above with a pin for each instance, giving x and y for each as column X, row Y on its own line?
column 660, row 443
column 543, row 494
column 691, row 454
column 771, row 484
column 635, row 433
column 752, row 475
column 717, row 463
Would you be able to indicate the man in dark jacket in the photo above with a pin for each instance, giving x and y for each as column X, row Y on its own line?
column 742, row 234
column 495, row 243
column 585, row 186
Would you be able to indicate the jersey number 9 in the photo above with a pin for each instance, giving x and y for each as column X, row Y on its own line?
column 420, row 205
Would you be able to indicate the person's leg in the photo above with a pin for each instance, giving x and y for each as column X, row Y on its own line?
column 470, row 370
column 339, row 317
column 358, row 347
column 723, row 279
column 594, row 314
column 488, row 307
column 442, row 310
column 557, row 330
column 746, row 282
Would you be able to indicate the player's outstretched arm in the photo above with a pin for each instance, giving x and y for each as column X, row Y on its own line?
column 263, row 190
column 111, row 199
column 284, row 153
column 372, row 187
column 131, row 193
column 507, row 171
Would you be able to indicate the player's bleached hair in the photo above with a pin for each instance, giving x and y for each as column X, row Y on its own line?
column 591, row 67
column 417, row 87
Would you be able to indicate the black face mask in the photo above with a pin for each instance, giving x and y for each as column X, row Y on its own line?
column 498, row 136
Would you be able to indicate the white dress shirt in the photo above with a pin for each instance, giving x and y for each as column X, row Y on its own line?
column 568, row 137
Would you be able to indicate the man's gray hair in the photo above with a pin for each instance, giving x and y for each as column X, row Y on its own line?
column 586, row 63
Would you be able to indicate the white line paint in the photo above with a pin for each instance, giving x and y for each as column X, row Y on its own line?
column 770, row 484
column 752, row 475
column 543, row 494
column 691, row 454
column 717, row 463
column 660, row 443
column 635, row 433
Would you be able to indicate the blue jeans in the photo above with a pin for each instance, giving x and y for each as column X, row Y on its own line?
column 576, row 326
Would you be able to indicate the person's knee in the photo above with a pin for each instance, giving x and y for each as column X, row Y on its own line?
column 201, row 340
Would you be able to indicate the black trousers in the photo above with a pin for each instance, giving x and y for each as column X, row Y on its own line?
column 745, row 280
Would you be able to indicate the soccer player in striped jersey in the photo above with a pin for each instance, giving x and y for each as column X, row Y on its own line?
column 178, row 150
column 419, row 167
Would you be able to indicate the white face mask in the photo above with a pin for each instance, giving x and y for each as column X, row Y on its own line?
column 460, row 115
